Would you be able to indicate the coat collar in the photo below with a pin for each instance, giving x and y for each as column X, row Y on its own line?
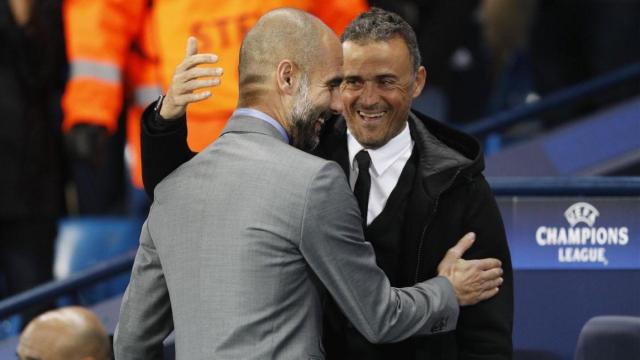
column 443, row 147
column 248, row 124
column 446, row 155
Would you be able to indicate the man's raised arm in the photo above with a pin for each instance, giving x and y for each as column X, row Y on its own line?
column 164, row 128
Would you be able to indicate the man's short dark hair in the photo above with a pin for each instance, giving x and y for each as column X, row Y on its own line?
column 382, row 25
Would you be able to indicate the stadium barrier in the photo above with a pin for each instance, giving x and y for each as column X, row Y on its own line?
column 553, row 101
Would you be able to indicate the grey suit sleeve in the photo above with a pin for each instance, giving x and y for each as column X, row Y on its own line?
column 145, row 314
column 332, row 243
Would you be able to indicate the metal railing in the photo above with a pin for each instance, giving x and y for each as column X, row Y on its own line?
column 565, row 186
column 52, row 290
column 553, row 101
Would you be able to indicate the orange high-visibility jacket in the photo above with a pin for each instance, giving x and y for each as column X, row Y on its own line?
column 129, row 49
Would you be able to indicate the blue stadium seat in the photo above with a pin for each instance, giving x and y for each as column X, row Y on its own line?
column 86, row 241
column 10, row 327
column 609, row 337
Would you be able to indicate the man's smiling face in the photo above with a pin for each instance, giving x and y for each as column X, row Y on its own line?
column 378, row 88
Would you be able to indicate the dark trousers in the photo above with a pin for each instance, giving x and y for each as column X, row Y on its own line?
column 26, row 257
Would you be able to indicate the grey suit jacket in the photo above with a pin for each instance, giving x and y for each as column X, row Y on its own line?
column 238, row 248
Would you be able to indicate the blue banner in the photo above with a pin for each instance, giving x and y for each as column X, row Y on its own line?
column 572, row 233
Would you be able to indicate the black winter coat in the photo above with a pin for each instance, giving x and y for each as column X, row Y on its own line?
column 449, row 198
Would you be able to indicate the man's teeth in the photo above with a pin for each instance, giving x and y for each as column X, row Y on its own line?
column 371, row 115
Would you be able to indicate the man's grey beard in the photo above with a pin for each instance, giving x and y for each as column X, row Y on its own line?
column 303, row 117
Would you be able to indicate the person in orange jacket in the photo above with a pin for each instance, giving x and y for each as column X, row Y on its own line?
column 127, row 51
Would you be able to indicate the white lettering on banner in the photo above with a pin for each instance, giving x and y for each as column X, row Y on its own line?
column 585, row 254
column 582, row 244
column 546, row 235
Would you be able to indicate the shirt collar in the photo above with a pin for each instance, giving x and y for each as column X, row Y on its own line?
column 383, row 157
column 264, row 117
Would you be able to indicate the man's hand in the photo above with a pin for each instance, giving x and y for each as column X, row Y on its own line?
column 187, row 79
column 473, row 280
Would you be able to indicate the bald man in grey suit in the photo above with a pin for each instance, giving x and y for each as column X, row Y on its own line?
column 243, row 240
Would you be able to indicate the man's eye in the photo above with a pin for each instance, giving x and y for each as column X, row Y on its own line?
column 335, row 84
column 352, row 82
column 387, row 82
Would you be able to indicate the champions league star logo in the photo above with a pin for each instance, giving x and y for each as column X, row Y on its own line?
column 581, row 212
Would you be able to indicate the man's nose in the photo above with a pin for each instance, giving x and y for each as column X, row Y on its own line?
column 336, row 102
column 369, row 96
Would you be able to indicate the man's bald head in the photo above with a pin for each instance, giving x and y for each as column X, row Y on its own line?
column 281, row 34
column 68, row 333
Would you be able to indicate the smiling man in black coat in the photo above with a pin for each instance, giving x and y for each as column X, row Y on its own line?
column 423, row 191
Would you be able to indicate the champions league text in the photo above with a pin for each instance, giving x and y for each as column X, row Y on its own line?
column 582, row 244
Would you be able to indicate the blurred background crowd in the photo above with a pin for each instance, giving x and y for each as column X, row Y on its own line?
column 76, row 74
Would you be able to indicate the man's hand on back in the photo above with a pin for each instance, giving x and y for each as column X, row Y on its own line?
column 188, row 78
column 473, row 280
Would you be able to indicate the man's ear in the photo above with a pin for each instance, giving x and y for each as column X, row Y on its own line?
column 284, row 76
column 421, row 80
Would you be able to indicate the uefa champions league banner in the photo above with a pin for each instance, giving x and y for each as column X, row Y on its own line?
column 572, row 233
